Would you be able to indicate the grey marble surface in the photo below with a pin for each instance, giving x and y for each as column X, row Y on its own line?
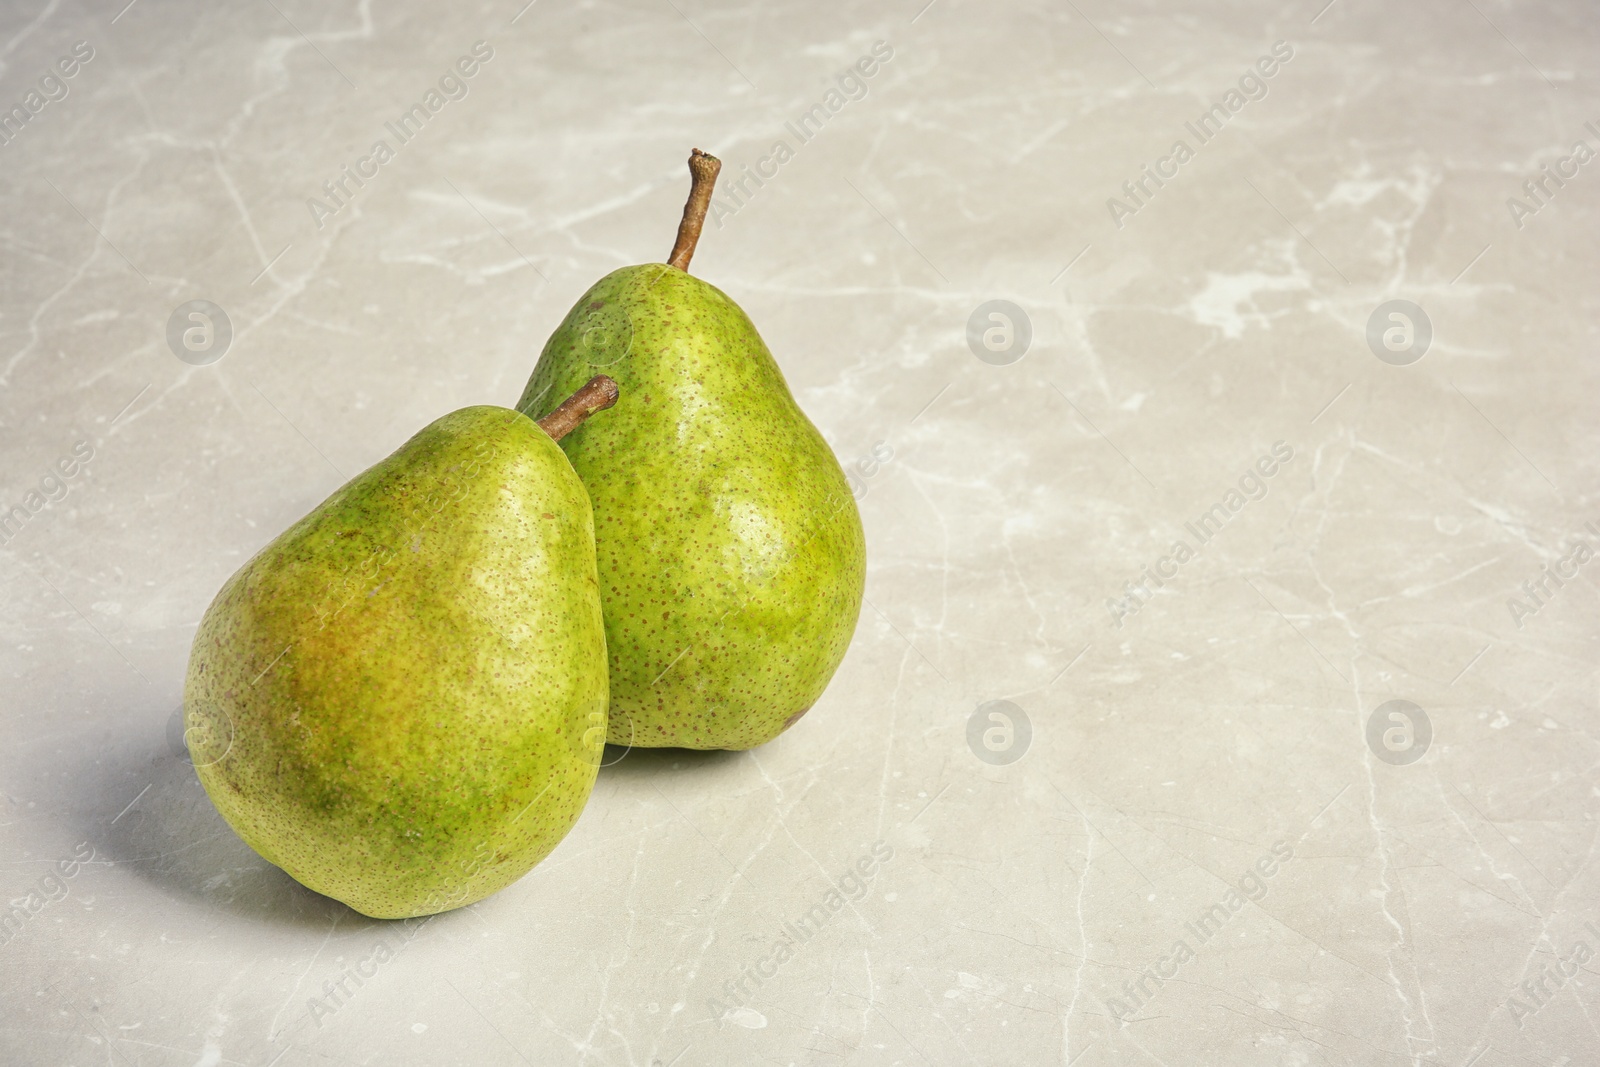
column 1096, row 883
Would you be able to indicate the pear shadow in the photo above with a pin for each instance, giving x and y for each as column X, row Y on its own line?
column 141, row 806
column 136, row 799
column 621, row 763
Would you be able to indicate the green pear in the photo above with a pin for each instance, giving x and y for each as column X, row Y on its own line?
column 401, row 700
column 731, row 554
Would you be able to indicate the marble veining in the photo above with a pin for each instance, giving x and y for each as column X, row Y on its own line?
column 1322, row 791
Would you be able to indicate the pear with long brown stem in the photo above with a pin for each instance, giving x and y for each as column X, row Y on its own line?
column 730, row 551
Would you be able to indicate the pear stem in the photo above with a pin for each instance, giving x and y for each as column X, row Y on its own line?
column 703, row 168
column 597, row 394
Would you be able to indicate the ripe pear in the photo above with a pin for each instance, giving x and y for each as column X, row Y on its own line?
column 732, row 559
column 401, row 700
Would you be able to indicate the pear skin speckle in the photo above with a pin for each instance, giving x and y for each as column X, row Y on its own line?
column 731, row 555
column 411, row 681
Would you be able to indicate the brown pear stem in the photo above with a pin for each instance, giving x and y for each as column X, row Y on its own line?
column 597, row 394
column 703, row 168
